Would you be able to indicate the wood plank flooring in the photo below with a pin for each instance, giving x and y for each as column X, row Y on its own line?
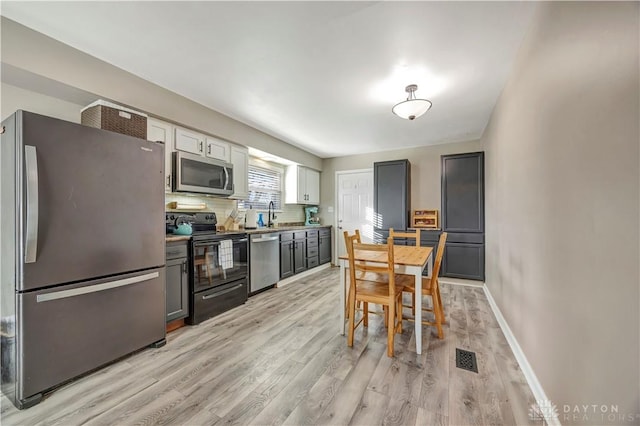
column 278, row 359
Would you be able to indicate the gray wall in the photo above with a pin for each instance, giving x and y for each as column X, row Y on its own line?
column 425, row 173
column 33, row 54
column 562, row 213
column 14, row 98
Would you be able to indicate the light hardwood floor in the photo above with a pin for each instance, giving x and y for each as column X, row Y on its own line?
column 278, row 359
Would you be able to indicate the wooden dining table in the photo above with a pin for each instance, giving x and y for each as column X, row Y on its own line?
column 410, row 260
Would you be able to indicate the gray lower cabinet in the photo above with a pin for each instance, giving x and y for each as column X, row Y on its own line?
column 177, row 281
column 293, row 253
column 286, row 255
column 312, row 249
column 299, row 252
column 302, row 250
column 324, row 246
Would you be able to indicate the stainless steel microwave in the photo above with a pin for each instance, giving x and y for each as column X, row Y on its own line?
column 194, row 173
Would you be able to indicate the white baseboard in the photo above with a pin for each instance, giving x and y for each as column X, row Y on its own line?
column 460, row 281
column 527, row 370
column 302, row 275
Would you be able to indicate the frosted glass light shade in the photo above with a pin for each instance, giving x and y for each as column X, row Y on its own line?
column 412, row 108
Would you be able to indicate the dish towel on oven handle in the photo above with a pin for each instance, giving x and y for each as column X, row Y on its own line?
column 225, row 254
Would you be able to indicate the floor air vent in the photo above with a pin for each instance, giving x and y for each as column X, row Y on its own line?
column 466, row 360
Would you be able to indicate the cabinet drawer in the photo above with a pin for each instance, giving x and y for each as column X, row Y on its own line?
column 286, row 236
column 324, row 232
column 219, row 299
column 176, row 250
column 312, row 234
column 312, row 251
column 312, row 262
column 300, row 235
column 312, row 242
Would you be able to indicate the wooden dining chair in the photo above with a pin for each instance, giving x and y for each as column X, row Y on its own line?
column 431, row 287
column 412, row 235
column 387, row 293
column 368, row 276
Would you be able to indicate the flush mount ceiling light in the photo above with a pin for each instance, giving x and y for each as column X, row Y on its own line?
column 412, row 108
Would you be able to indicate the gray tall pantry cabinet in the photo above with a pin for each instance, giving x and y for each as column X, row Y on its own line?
column 391, row 197
column 463, row 215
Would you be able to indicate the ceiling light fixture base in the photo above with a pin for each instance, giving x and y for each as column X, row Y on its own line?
column 413, row 107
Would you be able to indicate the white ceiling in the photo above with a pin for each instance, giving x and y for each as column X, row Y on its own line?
column 320, row 75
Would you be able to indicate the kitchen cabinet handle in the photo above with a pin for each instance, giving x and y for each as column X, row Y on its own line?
column 169, row 180
column 201, row 150
column 31, row 231
column 184, row 267
column 209, row 149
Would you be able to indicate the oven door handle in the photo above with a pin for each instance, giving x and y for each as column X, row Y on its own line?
column 220, row 293
column 206, row 244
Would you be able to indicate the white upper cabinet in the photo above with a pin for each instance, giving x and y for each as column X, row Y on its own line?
column 302, row 185
column 240, row 161
column 189, row 141
column 218, row 149
column 313, row 187
column 160, row 131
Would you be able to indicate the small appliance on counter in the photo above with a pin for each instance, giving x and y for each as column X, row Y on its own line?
column 251, row 219
column 183, row 225
column 311, row 216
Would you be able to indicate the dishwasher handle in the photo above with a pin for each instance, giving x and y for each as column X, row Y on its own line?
column 264, row 240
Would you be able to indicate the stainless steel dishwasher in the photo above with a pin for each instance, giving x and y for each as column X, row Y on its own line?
column 264, row 263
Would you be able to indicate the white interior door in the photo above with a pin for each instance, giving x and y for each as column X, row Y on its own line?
column 355, row 206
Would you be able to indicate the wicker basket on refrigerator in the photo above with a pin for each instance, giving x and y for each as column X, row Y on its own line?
column 116, row 118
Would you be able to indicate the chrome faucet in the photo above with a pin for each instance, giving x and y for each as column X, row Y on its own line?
column 269, row 213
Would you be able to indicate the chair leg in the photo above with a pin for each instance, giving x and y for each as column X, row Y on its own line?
column 442, row 317
column 437, row 314
column 399, row 314
column 391, row 329
column 386, row 315
column 352, row 315
column 365, row 312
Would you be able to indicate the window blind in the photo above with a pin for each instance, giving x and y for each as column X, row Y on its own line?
column 265, row 185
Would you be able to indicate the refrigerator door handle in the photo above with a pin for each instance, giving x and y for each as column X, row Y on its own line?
column 31, row 228
column 94, row 288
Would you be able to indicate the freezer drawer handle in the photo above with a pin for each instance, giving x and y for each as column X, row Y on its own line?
column 220, row 293
column 31, row 233
column 95, row 288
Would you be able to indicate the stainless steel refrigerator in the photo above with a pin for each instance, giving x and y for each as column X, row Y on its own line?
column 82, row 254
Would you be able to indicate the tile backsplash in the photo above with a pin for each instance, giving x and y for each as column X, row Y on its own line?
column 291, row 213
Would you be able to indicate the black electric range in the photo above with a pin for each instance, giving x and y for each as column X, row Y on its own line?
column 218, row 279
